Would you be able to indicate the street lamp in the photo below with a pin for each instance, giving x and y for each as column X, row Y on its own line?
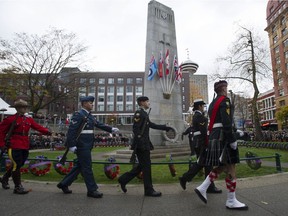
column 2, row 113
column 55, row 121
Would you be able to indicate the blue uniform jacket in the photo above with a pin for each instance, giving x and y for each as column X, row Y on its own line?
column 86, row 138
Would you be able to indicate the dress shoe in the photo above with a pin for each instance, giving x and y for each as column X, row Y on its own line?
column 123, row 186
column 95, row 194
column 5, row 184
column 182, row 183
column 214, row 190
column 201, row 195
column 20, row 190
column 64, row 188
column 153, row 194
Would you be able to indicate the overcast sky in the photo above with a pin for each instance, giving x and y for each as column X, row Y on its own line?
column 115, row 30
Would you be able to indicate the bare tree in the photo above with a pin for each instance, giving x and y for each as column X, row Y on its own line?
column 247, row 61
column 37, row 62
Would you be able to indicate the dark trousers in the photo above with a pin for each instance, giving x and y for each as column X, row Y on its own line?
column 193, row 171
column 144, row 165
column 82, row 165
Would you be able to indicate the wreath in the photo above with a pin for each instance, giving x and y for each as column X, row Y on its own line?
column 23, row 169
column 171, row 166
column 253, row 164
column 111, row 170
column 62, row 169
column 40, row 166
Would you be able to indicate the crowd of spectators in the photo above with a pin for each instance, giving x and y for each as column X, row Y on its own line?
column 57, row 141
column 271, row 136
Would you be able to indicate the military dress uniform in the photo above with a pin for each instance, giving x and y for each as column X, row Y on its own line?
column 84, row 144
column 219, row 151
column 18, row 149
column 199, row 123
column 142, row 146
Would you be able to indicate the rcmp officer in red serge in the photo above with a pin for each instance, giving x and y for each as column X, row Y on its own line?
column 199, row 125
column 17, row 143
column 222, row 151
column 82, row 146
column 142, row 146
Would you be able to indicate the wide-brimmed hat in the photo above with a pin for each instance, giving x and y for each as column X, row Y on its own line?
column 20, row 103
column 198, row 102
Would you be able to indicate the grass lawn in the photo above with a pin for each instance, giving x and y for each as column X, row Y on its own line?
column 160, row 173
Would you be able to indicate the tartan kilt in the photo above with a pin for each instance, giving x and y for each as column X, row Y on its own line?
column 218, row 151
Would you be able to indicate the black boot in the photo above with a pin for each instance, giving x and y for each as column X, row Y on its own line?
column 19, row 189
column 5, row 178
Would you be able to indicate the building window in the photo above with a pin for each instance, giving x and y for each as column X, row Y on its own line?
column 110, row 107
column 285, row 43
column 82, row 90
column 120, row 81
column 280, row 82
column 129, row 107
column 139, row 89
column 82, row 80
column 119, row 107
column 284, row 31
column 110, row 89
column 101, row 89
column 139, row 80
column 101, row 80
column 129, row 80
column 276, row 50
column 283, row 21
column 100, row 107
column 92, row 80
column 278, row 60
column 110, row 98
column 129, row 89
column 282, row 103
column 120, row 89
column 100, row 98
column 273, row 29
column 129, row 98
column 91, row 89
column 110, row 80
column 275, row 39
column 281, row 92
column 119, row 98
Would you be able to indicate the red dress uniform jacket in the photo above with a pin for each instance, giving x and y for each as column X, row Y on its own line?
column 19, row 138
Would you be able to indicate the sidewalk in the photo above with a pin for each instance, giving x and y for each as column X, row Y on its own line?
column 265, row 196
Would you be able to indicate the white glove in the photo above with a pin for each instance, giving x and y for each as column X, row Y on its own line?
column 241, row 133
column 115, row 130
column 73, row 149
column 233, row 145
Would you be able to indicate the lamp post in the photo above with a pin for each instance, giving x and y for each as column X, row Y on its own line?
column 2, row 113
column 55, row 121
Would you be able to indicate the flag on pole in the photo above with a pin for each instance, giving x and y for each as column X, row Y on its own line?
column 167, row 62
column 152, row 68
column 178, row 77
column 160, row 65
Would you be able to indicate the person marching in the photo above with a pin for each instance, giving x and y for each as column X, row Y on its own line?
column 81, row 141
column 142, row 146
column 222, row 150
column 199, row 125
column 14, row 131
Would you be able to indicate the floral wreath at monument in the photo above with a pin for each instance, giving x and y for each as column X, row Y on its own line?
column 62, row 169
column 24, row 169
column 253, row 164
column 171, row 135
column 40, row 166
column 111, row 170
